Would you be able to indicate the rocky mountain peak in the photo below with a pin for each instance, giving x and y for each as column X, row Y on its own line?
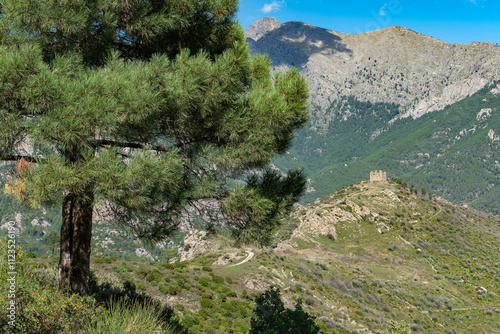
column 395, row 64
column 261, row 27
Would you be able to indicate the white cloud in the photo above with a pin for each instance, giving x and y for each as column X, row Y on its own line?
column 475, row 2
column 273, row 6
column 382, row 10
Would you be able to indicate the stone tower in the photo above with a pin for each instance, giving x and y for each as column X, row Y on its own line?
column 378, row 176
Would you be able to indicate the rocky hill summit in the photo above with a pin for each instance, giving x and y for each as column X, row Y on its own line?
column 265, row 25
column 395, row 64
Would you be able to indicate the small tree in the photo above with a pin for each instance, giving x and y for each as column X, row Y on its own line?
column 397, row 328
column 143, row 109
column 271, row 317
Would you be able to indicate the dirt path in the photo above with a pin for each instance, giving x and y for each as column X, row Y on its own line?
column 248, row 258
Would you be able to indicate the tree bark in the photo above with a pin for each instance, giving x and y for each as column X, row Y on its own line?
column 76, row 233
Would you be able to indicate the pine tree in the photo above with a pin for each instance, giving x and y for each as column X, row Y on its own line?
column 143, row 108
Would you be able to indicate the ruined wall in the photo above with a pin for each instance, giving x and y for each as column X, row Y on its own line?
column 378, row 176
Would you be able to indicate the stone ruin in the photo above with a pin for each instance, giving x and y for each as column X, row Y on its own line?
column 378, row 176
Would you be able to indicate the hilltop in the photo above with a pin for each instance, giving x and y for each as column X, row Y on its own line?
column 358, row 258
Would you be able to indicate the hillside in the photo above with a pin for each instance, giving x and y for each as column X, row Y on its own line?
column 365, row 87
column 452, row 152
column 358, row 258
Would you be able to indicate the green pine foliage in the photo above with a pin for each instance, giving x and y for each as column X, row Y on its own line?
column 147, row 108
column 153, row 117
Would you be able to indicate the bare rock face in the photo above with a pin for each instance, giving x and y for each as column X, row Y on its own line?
column 262, row 27
column 395, row 65
column 195, row 244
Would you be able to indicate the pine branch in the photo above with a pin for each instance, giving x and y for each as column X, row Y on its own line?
column 159, row 148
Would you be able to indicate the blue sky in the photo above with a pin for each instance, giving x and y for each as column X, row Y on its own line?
column 456, row 21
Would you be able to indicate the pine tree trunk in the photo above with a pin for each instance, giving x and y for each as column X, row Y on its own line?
column 76, row 232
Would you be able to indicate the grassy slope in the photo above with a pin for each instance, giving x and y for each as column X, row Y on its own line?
column 396, row 255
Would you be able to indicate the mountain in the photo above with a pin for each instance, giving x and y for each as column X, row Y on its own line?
column 360, row 258
column 392, row 65
column 369, row 95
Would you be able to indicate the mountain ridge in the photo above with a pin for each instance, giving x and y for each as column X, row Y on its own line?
column 392, row 64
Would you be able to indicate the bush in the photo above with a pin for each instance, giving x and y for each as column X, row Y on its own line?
column 270, row 316
column 45, row 277
column 207, row 303
column 167, row 265
column 174, row 289
column 309, row 300
column 103, row 259
column 397, row 328
column 153, row 276
column 48, row 310
column 218, row 279
column 141, row 272
column 203, row 282
column 130, row 318
column 39, row 308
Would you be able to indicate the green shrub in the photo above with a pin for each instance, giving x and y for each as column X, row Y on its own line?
column 103, row 259
column 174, row 289
column 207, row 269
column 40, row 308
column 153, row 276
column 207, row 303
column 136, row 318
column 129, row 283
column 218, row 279
column 397, row 328
column 167, row 265
column 141, row 272
column 141, row 286
column 45, row 276
column 48, row 310
column 203, row 282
